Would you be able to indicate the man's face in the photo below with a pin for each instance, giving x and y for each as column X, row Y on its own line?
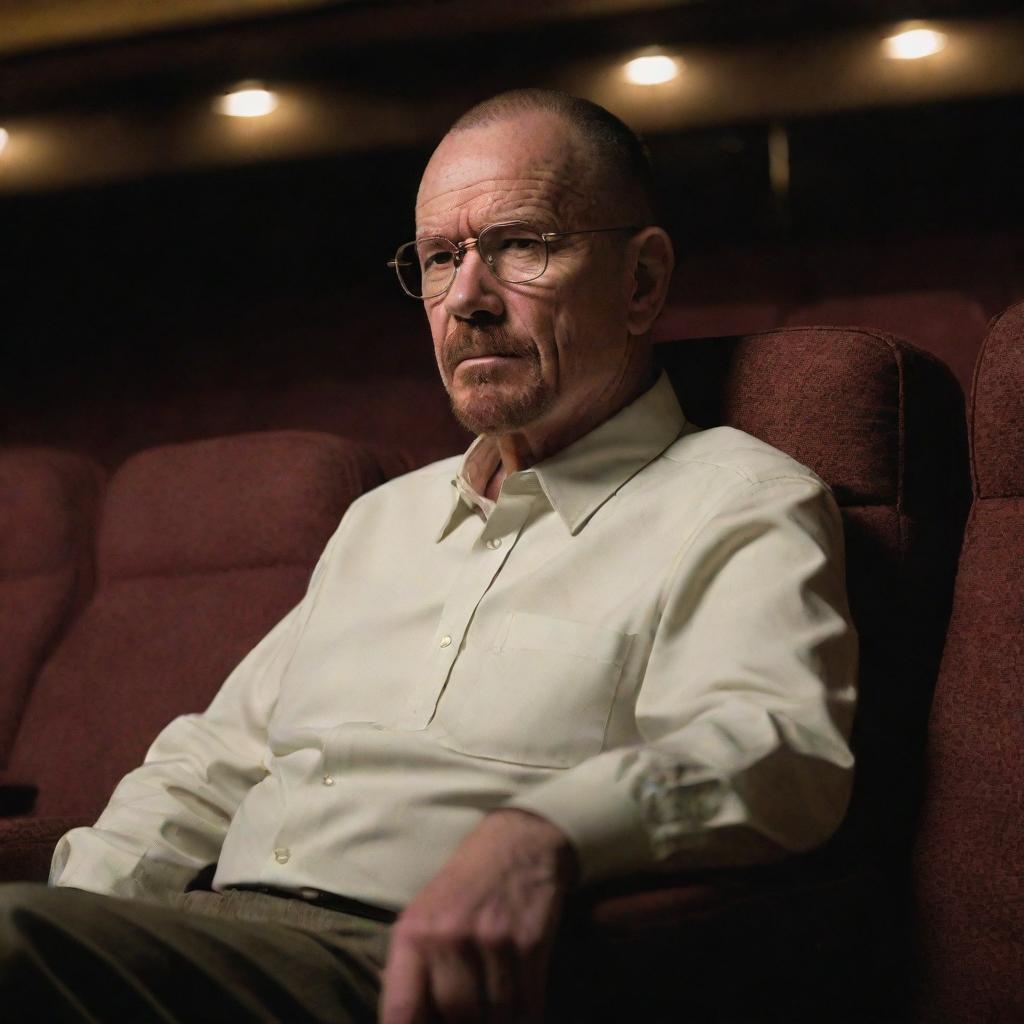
column 544, row 354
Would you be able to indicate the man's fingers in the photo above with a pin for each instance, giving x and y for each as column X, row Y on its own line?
column 502, row 983
column 533, row 982
column 403, row 997
column 457, row 986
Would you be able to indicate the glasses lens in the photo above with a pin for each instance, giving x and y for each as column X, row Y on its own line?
column 515, row 253
column 426, row 266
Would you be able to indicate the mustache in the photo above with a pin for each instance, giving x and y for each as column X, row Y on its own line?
column 466, row 341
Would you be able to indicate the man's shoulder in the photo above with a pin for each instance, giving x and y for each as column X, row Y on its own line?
column 423, row 480
column 733, row 455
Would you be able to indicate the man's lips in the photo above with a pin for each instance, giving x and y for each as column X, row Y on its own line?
column 484, row 359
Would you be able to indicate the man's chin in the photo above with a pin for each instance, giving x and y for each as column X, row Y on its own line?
column 490, row 409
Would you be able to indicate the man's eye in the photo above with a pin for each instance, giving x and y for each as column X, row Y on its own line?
column 520, row 244
column 436, row 259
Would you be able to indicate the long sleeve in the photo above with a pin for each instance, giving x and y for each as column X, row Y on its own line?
column 745, row 704
column 167, row 819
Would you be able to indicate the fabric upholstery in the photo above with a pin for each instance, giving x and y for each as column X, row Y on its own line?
column 202, row 548
column 947, row 323
column 971, row 847
column 48, row 507
column 997, row 410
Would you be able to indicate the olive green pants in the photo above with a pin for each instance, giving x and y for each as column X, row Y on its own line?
column 69, row 955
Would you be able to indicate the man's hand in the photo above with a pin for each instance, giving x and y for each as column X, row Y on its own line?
column 475, row 942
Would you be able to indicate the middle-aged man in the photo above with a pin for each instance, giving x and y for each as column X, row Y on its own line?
column 604, row 642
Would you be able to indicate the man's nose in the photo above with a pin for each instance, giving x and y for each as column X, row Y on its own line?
column 475, row 289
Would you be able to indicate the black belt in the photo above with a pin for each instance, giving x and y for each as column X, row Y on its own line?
column 326, row 900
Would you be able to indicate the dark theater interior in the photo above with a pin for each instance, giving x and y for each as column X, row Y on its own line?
column 198, row 200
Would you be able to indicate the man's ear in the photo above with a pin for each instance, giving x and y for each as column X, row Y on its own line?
column 651, row 261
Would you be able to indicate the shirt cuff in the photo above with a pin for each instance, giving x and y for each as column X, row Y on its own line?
column 106, row 863
column 604, row 824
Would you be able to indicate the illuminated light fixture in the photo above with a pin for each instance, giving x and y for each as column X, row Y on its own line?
column 914, row 44
column 4, row 136
column 653, row 69
column 249, row 99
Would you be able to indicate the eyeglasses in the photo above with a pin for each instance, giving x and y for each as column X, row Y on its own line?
column 512, row 251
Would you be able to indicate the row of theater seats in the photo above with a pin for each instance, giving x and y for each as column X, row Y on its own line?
column 950, row 324
column 125, row 600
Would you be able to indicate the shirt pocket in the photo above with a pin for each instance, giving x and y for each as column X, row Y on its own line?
column 541, row 695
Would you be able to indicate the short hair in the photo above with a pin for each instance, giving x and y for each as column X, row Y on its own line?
column 622, row 160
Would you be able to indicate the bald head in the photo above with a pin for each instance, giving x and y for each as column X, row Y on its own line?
column 610, row 158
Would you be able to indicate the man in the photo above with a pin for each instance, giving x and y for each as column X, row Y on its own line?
column 604, row 642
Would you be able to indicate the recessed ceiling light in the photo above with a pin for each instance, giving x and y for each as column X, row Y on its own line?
column 914, row 44
column 249, row 99
column 653, row 69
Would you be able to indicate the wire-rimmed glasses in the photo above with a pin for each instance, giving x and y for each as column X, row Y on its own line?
column 513, row 251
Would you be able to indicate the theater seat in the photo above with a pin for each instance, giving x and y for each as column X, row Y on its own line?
column 970, row 855
column 48, row 508
column 202, row 548
column 820, row 937
column 949, row 324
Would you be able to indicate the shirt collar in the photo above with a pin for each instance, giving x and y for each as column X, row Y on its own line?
column 581, row 477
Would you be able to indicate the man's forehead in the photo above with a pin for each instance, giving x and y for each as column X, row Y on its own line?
column 529, row 161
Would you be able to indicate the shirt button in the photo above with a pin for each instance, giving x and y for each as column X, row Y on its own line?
column 494, row 543
column 446, row 641
column 282, row 854
column 328, row 780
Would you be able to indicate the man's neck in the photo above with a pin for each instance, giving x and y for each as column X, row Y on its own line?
column 519, row 450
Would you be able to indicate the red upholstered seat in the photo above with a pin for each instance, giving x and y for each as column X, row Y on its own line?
column 48, row 506
column 970, row 856
column 948, row 324
column 202, row 548
column 818, row 938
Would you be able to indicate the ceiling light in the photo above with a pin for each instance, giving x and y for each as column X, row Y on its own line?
column 4, row 136
column 249, row 99
column 914, row 43
column 653, row 69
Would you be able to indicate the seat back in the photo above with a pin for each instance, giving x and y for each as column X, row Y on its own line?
column 48, row 509
column 970, row 855
column 882, row 423
column 948, row 323
column 202, row 548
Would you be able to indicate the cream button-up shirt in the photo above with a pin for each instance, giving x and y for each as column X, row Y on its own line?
column 645, row 639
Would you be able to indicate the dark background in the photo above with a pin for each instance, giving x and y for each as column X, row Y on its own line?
column 152, row 294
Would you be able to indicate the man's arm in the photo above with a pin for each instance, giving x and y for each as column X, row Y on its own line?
column 167, row 819
column 743, row 711
column 745, row 707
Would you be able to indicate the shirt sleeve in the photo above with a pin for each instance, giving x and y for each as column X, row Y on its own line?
column 167, row 819
column 745, row 706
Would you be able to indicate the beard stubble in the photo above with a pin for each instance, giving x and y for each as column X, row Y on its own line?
column 494, row 400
